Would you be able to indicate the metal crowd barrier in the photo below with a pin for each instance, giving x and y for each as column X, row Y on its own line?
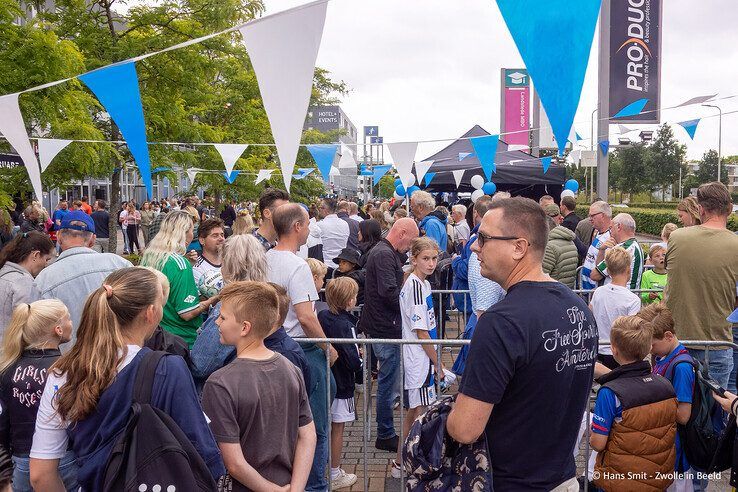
column 366, row 380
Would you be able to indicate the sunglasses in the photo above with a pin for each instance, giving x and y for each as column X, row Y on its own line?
column 483, row 238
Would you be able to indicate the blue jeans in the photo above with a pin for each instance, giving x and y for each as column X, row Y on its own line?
column 720, row 367
column 22, row 479
column 315, row 356
column 388, row 358
column 731, row 382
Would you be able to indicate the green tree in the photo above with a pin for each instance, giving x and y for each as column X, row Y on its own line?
column 630, row 169
column 707, row 170
column 666, row 159
column 202, row 93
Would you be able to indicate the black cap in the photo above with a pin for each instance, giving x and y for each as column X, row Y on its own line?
column 348, row 254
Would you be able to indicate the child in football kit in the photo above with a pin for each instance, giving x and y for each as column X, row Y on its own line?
column 337, row 322
column 418, row 323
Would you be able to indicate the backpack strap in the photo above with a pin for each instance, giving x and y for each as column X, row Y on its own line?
column 681, row 356
column 144, row 382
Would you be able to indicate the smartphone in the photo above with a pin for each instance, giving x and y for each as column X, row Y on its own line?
column 713, row 385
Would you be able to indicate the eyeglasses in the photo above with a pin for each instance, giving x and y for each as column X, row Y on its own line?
column 594, row 215
column 483, row 238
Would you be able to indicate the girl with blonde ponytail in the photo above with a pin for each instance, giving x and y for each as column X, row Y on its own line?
column 87, row 399
column 30, row 347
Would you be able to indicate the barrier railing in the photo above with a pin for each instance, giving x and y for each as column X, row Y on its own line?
column 705, row 345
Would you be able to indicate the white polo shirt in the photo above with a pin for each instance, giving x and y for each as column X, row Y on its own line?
column 334, row 232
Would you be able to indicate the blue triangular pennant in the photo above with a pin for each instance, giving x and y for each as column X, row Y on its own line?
column 116, row 87
column 568, row 27
column 304, row 171
column 324, row 154
column 604, row 146
column 486, row 149
column 380, row 171
column 428, row 178
column 579, row 137
column 464, row 155
column 160, row 169
column 546, row 163
column 231, row 177
column 632, row 109
column 690, row 126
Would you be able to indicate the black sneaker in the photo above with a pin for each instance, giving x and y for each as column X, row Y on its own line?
column 389, row 444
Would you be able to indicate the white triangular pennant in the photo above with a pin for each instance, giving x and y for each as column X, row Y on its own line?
column 48, row 148
column 14, row 130
column 347, row 160
column 334, row 172
column 230, row 154
column 623, row 129
column 403, row 153
column 421, row 168
column 191, row 175
column 283, row 49
column 458, row 175
column 263, row 175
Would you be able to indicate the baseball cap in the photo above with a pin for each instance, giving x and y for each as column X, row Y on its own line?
column 552, row 210
column 78, row 220
column 350, row 255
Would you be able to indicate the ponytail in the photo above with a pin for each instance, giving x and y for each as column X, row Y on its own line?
column 91, row 365
column 23, row 244
column 30, row 327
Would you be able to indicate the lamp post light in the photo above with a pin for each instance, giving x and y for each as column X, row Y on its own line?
column 720, row 135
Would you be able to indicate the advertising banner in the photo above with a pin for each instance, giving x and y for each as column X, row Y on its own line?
column 635, row 61
column 515, row 106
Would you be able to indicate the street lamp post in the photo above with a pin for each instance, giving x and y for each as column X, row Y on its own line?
column 720, row 135
column 591, row 148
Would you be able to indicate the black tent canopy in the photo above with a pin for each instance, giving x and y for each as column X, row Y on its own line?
column 516, row 171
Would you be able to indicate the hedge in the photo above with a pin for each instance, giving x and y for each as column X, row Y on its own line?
column 657, row 205
column 651, row 221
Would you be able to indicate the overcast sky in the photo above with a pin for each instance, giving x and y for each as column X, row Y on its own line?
column 430, row 69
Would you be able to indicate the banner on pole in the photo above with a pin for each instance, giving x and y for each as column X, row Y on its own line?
column 515, row 107
column 635, row 60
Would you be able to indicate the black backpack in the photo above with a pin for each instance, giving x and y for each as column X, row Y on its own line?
column 153, row 450
column 708, row 435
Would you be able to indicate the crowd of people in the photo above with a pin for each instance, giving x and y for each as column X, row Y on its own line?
column 231, row 299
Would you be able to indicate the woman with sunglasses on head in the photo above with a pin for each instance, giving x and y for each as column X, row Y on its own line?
column 21, row 260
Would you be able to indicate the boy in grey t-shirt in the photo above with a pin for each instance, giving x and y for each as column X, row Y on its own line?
column 258, row 407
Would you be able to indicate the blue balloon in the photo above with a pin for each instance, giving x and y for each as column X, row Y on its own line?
column 413, row 189
column 400, row 190
column 572, row 185
column 489, row 188
column 398, row 182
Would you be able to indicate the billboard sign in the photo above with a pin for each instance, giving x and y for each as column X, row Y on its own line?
column 10, row 160
column 515, row 106
column 324, row 118
column 635, row 58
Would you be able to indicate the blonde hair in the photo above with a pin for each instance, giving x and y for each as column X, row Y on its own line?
column 255, row 302
column 31, row 326
column 690, row 206
column 667, row 230
column 659, row 316
column 169, row 240
column 92, row 364
column 317, row 268
column 243, row 224
column 655, row 248
column 419, row 245
column 339, row 292
column 163, row 281
column 284, row 302
column 632, row 336
column 243, row 259
column 617, row 260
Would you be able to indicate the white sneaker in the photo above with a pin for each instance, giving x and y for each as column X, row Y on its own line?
column 396, row 471
column 343, row 480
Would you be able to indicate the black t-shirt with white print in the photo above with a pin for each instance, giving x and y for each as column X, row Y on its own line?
column 532, row 356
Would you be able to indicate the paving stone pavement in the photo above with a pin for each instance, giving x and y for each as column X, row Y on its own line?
column 378, row 463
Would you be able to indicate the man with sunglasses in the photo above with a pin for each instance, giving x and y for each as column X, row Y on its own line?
column 531, row 360
column 600, row 214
